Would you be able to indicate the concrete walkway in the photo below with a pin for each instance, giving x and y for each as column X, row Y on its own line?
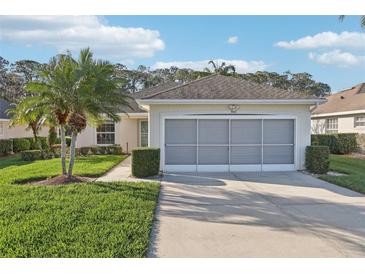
column 122, row 172
column 282, row 214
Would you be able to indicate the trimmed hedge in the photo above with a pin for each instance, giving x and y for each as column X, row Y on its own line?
column 20, row 144
column 6, row 147
column 31, row 155
column 341, row 143
column 33, row 144
column 100, row 150
column 115, row 149
column 145, row 162
column 52, row 136
column 317, row 159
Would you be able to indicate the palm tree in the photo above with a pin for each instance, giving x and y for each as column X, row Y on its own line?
column 26, row 114
column 221, row 68
column 95, row 98
column 77, row 92
column 362, row 20
column 51, row 92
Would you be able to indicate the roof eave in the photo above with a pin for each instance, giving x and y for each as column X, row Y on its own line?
column 338, row 113
column 313, row 101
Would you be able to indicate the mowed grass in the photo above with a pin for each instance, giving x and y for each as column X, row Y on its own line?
column 77, row 220
column 353, row 167
column 14, row 170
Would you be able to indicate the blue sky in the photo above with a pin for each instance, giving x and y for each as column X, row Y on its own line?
column 333, row 52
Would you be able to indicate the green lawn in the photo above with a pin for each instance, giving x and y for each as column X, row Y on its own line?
column 14, row 170
column 353, row 167
column 76, row 220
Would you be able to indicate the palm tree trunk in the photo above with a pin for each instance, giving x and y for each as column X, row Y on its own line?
column 63, row 150
column 35, row 137
column 72, row 153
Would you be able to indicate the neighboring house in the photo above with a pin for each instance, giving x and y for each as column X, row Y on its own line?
column 344, row 112
column 17, row 131
column 216, row 123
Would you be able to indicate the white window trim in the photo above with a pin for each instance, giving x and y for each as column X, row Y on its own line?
column 96, row 133
column 361, row 117
column 227, row 168
column 331, row 129
column 140, row 132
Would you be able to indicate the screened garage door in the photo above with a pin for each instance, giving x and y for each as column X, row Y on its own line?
column 229, row 144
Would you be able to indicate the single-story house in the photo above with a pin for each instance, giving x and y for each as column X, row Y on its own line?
column 344, row 112
column 18, row 131
column 215, row 123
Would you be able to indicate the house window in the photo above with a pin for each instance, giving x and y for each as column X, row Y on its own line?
column 2, row 129
column 360, row 121
column 331, row 125
column 143, row 133
column 105, row 133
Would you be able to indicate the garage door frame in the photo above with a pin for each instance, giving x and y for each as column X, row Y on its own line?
column 229, row 167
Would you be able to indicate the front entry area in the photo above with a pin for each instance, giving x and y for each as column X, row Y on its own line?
column 228, row 144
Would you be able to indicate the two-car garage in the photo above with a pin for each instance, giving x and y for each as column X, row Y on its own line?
column 236, row 143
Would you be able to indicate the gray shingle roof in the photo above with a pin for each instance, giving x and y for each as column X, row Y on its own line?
column 221, row 87
column 4, row 106
column 156, row 89
column 132, row 108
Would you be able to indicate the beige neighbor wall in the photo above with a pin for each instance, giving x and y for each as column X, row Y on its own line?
column 126, row 134
column 19, row 131
column 345, row 125
column 300, row 112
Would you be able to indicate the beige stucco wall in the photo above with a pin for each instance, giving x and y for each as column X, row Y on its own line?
column 300, row 112
column 126, row 134
column 19, row 131
column 345, row 125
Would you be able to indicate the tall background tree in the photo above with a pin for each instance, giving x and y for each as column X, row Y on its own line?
column 362, row 20
column 222, row 68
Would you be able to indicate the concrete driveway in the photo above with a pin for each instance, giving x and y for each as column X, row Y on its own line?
column 286, row 214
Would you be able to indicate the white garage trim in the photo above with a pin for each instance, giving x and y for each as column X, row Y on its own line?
column 229, row 166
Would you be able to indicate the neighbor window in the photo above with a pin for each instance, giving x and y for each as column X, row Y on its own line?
column 143, row 133
column 105, row 133
column 2, row 129
column 331, row 125
column 360, row 121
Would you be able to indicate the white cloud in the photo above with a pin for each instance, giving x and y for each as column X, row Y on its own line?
column 338, row 58
column 242, row 66
column 354, row 40
column 75, row 32
column 232, row 40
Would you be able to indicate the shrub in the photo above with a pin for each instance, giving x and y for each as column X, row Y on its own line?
column 145, row 162
column 56, row 150
column 42, row 140
column 342, row 143
column 20, row 144
column 84, row 150
column 52, row 136
column 317, row 159
column 31, row 155
column 6, row 146
column 347, row 143
column 115, row 149
column 44, row 143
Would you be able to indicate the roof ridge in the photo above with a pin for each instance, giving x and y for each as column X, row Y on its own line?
column 178, row 86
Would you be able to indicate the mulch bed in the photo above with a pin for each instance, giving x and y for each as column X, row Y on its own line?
column 62, row 179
